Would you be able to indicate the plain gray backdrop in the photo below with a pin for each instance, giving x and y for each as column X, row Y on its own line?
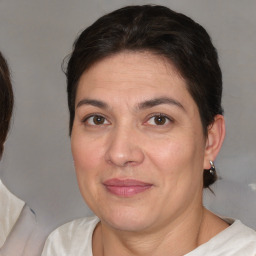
column 37, row 164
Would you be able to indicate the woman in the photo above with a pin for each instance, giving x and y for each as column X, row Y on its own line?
column 146, row 124
column 17, row 220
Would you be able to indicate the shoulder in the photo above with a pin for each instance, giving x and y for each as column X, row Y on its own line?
column 236, row 240
column 78, row 226
column 71, row 238
column 11, row 207
column 18, row 226
column 241, row 233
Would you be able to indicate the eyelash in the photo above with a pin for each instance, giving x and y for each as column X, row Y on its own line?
column 155, row 115
column 161, row 115
column 85, row 119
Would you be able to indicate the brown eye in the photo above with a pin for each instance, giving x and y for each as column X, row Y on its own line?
column 98, row 120
column 160, row 120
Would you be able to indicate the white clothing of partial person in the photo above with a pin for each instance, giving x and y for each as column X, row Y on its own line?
column 75, row 238
column 17, row 224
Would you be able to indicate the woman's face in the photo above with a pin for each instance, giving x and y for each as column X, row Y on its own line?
column 137, row 142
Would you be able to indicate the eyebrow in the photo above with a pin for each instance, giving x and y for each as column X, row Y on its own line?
column 143, row 105
column 159, row 101
column 95, row 103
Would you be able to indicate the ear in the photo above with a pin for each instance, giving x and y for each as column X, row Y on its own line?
column 216, row 135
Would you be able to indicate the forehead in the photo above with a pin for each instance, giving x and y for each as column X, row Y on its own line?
column 134, row 74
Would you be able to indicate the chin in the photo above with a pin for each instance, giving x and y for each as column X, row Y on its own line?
column 125, row 220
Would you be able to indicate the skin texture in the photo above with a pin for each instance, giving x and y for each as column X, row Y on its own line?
column 147, row 128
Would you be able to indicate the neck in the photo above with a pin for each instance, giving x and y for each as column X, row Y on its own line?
column 187, row 231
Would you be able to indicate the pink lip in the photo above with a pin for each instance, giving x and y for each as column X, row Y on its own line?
column 127, row 187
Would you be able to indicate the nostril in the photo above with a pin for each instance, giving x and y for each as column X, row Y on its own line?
column 129, row 158
column 129, row 163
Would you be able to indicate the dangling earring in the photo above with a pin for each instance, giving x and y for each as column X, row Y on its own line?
column 210, row 176
column 212, row 170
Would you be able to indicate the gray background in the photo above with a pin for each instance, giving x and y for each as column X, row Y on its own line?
column 37, row 166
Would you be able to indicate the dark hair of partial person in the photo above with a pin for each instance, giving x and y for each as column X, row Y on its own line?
column 162, row 32
column 6, row 101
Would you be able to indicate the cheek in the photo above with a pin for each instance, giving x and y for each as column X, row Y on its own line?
column 177, row 179
column 178, row 161
column 169, row 154
column 86, row 155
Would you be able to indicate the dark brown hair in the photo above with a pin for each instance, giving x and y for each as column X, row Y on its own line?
column 6, row 101
column 163, row 32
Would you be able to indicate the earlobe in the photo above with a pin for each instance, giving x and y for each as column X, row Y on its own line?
column 216, row 135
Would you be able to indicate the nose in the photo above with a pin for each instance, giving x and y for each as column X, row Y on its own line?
column 124, row 148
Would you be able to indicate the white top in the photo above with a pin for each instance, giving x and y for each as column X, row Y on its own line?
column 10, row 209
column 17, row 224
column 75, row 239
